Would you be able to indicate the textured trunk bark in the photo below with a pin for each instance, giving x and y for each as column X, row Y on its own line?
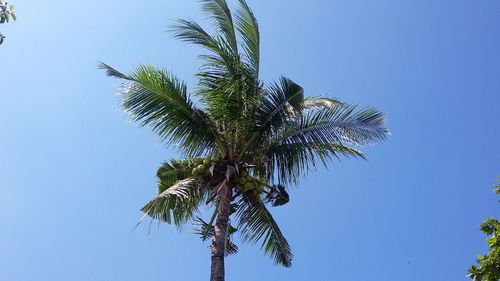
column 218, row 247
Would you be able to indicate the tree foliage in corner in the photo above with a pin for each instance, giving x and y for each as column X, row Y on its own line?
column 6, row 14
column 488, row 267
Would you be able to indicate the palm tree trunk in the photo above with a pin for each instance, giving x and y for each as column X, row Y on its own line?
column 218, row 247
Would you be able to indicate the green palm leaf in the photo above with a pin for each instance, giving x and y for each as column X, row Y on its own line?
column 289, row 161
column 171, row 172
column 321, row 136
column 256, row 223
column 220, row 79
column 248, row 28
column 191, row 32
column 340, row 124
column 177, row 204
column 281, row 102
column 277, row 195
column 220, row 12
column 159, row 99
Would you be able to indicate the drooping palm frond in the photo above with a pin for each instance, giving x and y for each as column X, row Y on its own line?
column 256, row 223
column 277, row 195
column 248, row 28
column 171, row 172
column 178, row 203
column 289, row 161
column 219, row 11
column 231, row 248
column 156, row 98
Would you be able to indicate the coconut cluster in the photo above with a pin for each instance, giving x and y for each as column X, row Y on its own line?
column 245, row 183
column 202, row 165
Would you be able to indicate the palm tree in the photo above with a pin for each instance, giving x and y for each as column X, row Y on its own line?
column 243, row 143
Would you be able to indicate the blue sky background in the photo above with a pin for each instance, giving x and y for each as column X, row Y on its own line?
column 74, row 171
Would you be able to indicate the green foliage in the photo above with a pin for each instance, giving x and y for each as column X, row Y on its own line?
column 170, row 173
column 320, row 135
column 256, row 223
column 248, row 29
column 6, row 14
column 260, row 138
column 488, row 266
column 178, row 203
column 158, row 99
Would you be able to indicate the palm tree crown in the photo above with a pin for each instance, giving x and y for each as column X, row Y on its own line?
column 243, row 143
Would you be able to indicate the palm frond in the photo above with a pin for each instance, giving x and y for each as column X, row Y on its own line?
column 177, row 204
column 219, row 11
column 220, row 79
column 231, row 248
column 321, row 136
column 277, row 195
column 289, row 161
column 340, row 124
column 316, row 103
column 274, row 110
column 220, row 91
column 113, row 72
column 220, row 64
column 281, row 96
column 159, row 99
column 191, row 32
column 171, row 172
column 203, row 228
column 256, row 223
column 248, row 29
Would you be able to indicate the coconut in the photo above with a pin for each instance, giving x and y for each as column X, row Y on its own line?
column 194, row 172
column 243, row 173
column 201, row 168
column 206, row 162
column 198, row 161
column 248, row 185
column 243, row 180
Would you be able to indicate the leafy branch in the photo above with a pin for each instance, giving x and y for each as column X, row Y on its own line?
column 6, row 14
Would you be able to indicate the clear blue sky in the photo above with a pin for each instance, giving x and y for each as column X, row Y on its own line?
column 74, row 171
